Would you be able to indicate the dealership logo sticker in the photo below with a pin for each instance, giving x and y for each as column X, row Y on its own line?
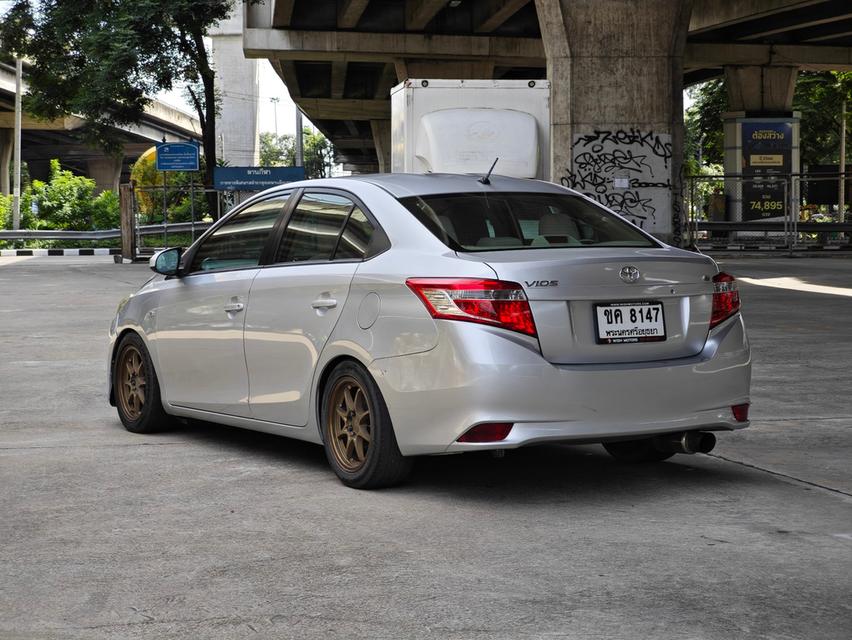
column 629, row 274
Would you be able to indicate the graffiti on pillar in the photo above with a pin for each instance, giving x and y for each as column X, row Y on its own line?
column 628, row 170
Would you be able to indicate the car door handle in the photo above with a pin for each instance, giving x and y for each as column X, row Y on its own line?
column 324, row 303
column 233, row 307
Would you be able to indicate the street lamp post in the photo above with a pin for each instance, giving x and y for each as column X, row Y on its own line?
column 16, row 192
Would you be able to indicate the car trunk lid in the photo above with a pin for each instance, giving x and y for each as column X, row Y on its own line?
column 565, row 285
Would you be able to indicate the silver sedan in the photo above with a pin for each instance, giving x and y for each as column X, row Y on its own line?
column 391, row 316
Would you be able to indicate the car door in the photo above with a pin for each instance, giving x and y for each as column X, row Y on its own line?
column 199, row 324
column 296, row 302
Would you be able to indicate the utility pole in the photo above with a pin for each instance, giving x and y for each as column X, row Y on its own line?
column 16, row 193
column 841, row 189
column 274, row 102
column 300, row 142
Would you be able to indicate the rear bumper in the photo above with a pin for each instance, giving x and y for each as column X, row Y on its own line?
column 478, row 374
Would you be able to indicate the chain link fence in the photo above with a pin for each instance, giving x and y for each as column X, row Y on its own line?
column 790, row 212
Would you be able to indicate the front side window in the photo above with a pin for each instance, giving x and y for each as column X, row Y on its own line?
column 239, row 242
column 314, row 228
column 489, row 222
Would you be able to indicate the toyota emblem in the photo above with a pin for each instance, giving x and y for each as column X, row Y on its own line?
column 629, row 274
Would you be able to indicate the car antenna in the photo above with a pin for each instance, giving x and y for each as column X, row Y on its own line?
column 484, row 179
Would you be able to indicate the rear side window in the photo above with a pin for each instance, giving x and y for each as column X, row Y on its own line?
column 489, row 222
column 239, row 242
column 314, row 227
column 355, row 240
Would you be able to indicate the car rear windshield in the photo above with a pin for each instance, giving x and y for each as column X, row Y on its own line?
column 500, row 221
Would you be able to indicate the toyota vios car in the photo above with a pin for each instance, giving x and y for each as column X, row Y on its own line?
column 393, row 316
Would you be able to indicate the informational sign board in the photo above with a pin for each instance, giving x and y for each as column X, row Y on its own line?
column 254, row 178
column 177, row 156
column 767, row 157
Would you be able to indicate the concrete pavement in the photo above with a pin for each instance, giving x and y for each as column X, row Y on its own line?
column 211, row 532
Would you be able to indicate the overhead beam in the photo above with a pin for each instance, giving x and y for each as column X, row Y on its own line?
column 387, row 81
column 286, row 70
column 352, row 142
column 831, row 36
column 797, row 26
column 709, row 15
column 419, row 13
column 287, row 44
column 498, row 12
column 7, row 121
column 350, row 13
column 282, row 12
column 49, row 151
column 698, row 55
column 326, row 109
column 338, row 78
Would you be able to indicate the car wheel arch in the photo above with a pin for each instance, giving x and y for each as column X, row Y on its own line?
column 118, row 340
column 322, row 380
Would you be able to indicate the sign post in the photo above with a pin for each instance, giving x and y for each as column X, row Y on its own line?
column 177, row 156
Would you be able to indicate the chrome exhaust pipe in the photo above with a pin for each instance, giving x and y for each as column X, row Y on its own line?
column 686, row 442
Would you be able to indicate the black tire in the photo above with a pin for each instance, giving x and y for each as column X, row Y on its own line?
column 137, row 396
column 362, row 450
column 636, row 451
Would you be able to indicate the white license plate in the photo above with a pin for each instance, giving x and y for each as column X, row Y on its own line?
column 625, row 322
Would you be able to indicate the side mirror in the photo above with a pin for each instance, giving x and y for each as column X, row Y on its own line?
column 166, row 261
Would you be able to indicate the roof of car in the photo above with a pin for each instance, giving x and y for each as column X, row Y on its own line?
column 402, row 185
column 419, row 184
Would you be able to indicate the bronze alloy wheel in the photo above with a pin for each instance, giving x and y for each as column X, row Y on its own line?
column 131, row 382
column 349, row 423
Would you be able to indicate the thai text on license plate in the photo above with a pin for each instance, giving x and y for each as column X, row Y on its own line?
column 626, row 322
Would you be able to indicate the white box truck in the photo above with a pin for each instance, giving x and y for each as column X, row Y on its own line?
column 462, row 126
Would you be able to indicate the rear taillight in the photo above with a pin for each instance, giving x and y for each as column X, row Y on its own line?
column 726, row 298
column 494, row 302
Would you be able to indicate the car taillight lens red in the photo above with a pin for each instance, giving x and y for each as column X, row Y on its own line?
column 487, row 432
column 740, row 412
column 726, row 298
column 494, row 302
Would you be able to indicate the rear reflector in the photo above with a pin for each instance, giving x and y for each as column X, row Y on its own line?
column 495, row 302
column 487, row 432
column 726, row 298
column 740, row 412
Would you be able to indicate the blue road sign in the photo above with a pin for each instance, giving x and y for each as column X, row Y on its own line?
column 254, row 178
column 177, row 156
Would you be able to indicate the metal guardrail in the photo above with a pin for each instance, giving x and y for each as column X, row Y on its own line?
column 774, row 226
column 105, row 234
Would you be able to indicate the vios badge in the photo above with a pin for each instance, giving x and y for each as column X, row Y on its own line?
column 629, row 274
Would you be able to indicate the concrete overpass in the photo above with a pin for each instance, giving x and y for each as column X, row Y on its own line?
column 615, row 65
column 43, row 141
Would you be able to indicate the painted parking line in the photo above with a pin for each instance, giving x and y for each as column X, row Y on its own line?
column 794, row 284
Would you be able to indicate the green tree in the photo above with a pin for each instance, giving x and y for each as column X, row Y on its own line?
column 103, row 59
column 818, row 97
column 277, row 150
column 69, row 202
column 280, row 151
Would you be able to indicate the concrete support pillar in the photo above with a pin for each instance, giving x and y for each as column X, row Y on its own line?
column 6, row 148
column 616, row 71
column 764, row 90
column 106, row 172
column 761, row 142
column 237, row 126
column 382, row 140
